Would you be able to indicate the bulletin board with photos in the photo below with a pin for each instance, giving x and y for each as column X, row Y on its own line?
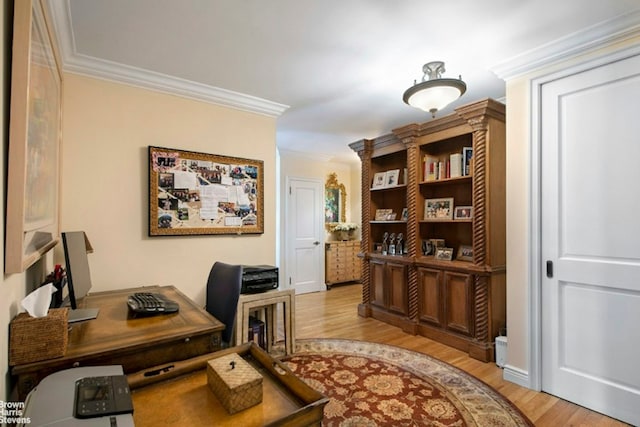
column 193, row 193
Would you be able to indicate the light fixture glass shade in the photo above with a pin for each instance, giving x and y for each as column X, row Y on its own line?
column 436, row 93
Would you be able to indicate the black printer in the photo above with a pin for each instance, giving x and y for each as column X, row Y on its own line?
column 258, row 278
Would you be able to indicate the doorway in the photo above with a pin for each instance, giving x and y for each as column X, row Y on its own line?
column 304, row 234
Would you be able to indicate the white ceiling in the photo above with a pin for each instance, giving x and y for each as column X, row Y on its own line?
column 341, row 66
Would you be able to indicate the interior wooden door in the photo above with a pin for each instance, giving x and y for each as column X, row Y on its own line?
column 305, row 258
column 590, row 238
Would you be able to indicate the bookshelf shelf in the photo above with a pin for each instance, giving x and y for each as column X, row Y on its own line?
column 456, row 180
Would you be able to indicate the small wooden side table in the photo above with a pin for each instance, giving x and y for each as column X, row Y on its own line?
column 268, row 300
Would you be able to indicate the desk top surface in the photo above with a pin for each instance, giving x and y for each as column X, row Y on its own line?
column 116, row 328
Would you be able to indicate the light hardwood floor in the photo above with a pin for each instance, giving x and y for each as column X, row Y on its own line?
column 333, row 314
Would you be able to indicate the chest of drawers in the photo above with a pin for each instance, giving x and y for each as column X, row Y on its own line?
column 341, row 262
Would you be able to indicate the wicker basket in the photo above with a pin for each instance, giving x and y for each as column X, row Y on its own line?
column 32, row 339
column 238, row 387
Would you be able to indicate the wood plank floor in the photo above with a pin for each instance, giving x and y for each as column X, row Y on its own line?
column 333, row 314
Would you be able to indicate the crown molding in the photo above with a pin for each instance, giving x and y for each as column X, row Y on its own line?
column 616, row 30
column 73, row 62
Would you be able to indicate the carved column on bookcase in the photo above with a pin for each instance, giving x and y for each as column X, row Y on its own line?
column 477, row 116
column 481, row 297
column 408, row 135
column 481, row 308
column 366, row 179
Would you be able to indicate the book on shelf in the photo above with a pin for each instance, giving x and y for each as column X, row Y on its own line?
column 430, row 167
column 442, row 170
column 453, row 165
column 455, row 161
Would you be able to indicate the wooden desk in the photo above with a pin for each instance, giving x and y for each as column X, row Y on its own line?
column 117, row 338
column 269, row 300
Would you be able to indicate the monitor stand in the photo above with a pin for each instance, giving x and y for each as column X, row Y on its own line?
column 82, row 314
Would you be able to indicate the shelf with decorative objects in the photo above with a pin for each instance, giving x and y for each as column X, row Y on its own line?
column 441, row 186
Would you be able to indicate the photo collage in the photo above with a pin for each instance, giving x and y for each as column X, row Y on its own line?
column 195, row 193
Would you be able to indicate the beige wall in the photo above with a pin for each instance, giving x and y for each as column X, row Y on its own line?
column 301, row 166
column 107, row 129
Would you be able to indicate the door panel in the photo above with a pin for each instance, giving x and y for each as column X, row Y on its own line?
column 458, row 301
column 377, row 284
column 429, row 296
column 398, row 288
column 590, row 229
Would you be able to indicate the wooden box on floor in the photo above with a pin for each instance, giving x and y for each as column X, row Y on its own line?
column 234, row 382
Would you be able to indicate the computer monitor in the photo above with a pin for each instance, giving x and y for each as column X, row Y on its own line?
column 78, row 275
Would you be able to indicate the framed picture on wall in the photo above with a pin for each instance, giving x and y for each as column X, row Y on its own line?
column 334, row 200
column 194, row 193
column 32, row 217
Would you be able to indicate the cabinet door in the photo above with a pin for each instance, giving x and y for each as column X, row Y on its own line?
column 397, row 288
column 377, row 283
column 430, row 295
column 459, row 302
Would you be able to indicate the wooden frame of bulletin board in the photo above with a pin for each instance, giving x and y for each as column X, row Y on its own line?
column 33, row 178
column 194, row 193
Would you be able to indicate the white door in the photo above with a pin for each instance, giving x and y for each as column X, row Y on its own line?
column 304, row 225
column 590, row 169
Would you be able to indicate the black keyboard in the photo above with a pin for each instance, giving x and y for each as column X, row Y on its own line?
column 151, row 303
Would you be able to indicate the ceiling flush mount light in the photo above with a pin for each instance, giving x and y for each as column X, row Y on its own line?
column 435, row 93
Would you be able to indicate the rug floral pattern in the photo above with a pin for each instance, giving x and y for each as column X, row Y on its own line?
column 380, row 385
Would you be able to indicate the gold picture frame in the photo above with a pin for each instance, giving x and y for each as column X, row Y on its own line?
column 193, row 193
column 335, row 197
column 33, row 179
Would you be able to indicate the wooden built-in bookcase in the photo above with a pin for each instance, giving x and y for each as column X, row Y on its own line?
column 460, row 302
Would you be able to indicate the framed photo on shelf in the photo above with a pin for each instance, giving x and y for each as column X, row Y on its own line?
column 465, row 253
column 437, row 243
column 438, row 209
column 383, row 214
column 463, row 212
column 444, row 254
column 405, row 214
column 427, row 248
column 392, row 177
column 379, row 180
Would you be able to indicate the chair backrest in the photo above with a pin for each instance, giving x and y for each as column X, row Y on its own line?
column 223, row 291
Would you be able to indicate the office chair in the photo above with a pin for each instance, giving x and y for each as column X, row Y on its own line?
column 223, row 292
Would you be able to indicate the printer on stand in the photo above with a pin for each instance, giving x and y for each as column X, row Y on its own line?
column 258, row 278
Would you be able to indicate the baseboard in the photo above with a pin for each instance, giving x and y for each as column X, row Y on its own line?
column 516, row 375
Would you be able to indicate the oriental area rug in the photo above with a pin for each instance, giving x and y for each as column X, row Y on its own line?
column 371, row 384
